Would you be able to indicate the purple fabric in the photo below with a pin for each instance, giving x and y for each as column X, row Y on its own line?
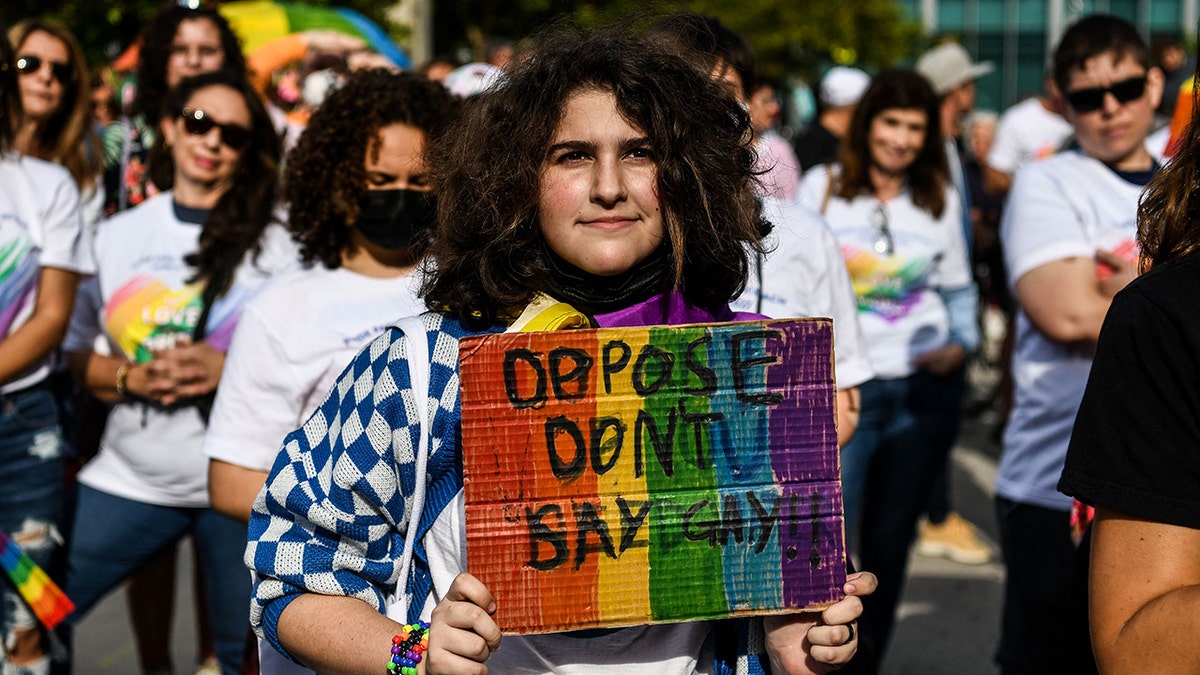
column 669, row 309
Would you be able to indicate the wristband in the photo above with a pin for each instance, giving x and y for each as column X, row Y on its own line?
column 407, row 648
column 123, row 380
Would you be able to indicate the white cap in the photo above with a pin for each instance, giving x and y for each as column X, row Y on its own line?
column 473, row 78
column 843, row 86
column 949, row 65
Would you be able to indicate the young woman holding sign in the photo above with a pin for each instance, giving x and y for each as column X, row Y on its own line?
column 604, row 173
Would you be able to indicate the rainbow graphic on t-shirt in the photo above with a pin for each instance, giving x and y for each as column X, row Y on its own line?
column 887, row 287
column 18, row 279
column 145, row 316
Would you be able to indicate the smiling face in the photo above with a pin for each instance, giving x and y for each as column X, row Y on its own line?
column 41, row 93
column 598, row 204
column 895, row 139
column 195, row 49
column 203, row 160
column 1116, row 132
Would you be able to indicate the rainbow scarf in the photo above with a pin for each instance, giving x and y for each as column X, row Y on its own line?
column 45, row 598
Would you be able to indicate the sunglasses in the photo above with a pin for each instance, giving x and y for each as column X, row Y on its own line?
column 198, row 124
column 27, row 65
column 884, row 245
column 1092, row 98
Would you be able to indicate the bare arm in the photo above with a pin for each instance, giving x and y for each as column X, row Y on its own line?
column 996, row 182
column 1144, row 595
column 1065, row 301
column 233, row 488
column 339, row 634
column 99, row 373
column 848, row 404
column 45, row 329
column 172, row 375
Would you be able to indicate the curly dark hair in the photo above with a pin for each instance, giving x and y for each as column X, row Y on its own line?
column 326, row 178
column 708, row 44
column 10, row 94
column 236, row 223
column 929, row 173
column 489, row 257
column 156, row 52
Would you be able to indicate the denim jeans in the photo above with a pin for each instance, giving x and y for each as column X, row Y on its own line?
column 115, row 537
column 31, row 491
column 888, row 470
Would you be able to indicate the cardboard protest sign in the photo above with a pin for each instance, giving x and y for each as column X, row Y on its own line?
column 633, row 475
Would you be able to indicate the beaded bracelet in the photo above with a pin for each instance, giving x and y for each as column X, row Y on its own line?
column 407, row 648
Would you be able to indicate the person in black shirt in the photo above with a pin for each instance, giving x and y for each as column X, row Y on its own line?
column 1135, row 449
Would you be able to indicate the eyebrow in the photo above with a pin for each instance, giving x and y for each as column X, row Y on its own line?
column 571, row 146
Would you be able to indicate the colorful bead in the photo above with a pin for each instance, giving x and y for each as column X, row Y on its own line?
column 408, row 646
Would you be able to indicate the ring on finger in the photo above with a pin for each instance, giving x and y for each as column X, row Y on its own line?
column 850, row 637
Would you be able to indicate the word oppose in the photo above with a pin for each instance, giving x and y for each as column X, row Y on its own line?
column 634, row 475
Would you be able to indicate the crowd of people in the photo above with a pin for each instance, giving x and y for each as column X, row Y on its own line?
column 231, row 310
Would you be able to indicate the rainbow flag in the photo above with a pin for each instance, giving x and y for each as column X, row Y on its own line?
column 45, row 598
column 633, row 475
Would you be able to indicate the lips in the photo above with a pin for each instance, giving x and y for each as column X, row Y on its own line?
column 610, row 222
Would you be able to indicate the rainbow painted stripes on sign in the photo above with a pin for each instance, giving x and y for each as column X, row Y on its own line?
column 45, row 598
column 634, row 475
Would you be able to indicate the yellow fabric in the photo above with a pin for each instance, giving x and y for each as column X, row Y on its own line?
column 544, row 313
column 256, row 23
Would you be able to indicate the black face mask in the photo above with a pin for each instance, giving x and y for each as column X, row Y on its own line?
column 395, row 219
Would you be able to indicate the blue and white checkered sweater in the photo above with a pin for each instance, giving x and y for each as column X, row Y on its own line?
column 336, row 511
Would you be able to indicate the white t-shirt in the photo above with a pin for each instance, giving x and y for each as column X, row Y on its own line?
column 293, row 340
column 40, row 226
column 663, row 649
column 1065, row 207
column 803, row 275
column 145, row 303
column 900, row 312
column 1026, row 132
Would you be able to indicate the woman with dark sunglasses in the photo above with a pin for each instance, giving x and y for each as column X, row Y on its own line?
column 57, row 124
column 897, row 216
column 43, row 252
column 178, row 42
column 359, row 204
column 172, row 276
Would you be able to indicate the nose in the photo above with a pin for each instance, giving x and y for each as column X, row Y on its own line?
column 1110, row 104
column 193, row 58
column 44, row 73
column 212, row 139
column 608, row 181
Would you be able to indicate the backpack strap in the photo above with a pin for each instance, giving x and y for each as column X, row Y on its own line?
column 417, row 343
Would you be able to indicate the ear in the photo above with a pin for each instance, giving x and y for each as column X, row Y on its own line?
column 1154, row 87
column 169, row 130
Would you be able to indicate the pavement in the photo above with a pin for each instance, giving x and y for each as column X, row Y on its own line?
column 948, row 621
column 949, row 615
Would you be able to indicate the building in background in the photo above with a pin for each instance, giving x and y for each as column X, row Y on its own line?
column 1019, row 35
